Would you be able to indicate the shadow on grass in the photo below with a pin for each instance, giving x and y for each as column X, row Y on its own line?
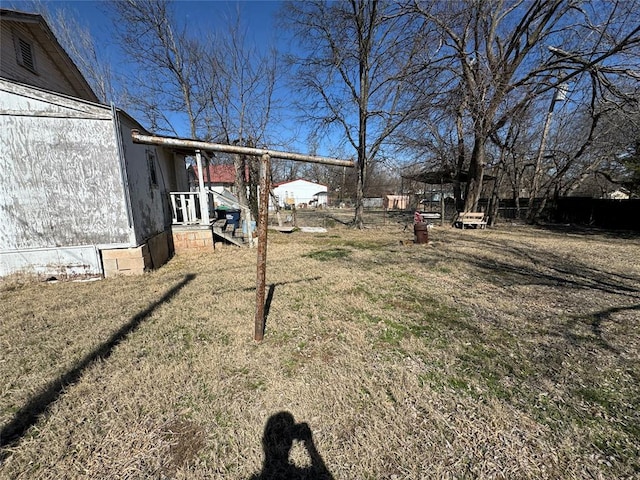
column 540, row 268
column 267, row 303
column 29, row 414
column 280, row 433
column 588, row 231
column 545, row 269
column 599, row 317
column 277, row 284
column 594, row 321
column 272, row 291
column 346, row 223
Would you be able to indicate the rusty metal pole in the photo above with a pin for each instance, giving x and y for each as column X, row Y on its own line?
column 263, row 219
column 183, row 143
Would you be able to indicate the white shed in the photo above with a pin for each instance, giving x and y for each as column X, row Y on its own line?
column 301, row 192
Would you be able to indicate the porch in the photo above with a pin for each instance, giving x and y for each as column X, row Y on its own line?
column 201, row 218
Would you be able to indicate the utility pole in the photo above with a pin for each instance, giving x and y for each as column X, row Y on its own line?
column 559, row 93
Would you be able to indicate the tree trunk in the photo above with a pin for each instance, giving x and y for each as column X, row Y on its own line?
column 494, row 202
column 457, row 189
column 476, row 173
column 537, row 212
column 241, row 186
column 359, row 213
column 254, row 176
column 537, row 169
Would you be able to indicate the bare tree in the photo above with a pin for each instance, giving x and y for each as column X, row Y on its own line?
column 599, row 91
column 437, row 136
column 240, row 98
column 618, row 146
column 513, row 145
column 358, row 54
column 502, row 61
column 166, row 85
column 222, row 85
column 588, row 141
column 80, row 45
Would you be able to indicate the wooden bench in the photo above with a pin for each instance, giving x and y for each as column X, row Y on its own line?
column 426, row 217
column 475, row 219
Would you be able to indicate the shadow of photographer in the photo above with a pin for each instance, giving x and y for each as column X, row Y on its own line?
column 280, row 432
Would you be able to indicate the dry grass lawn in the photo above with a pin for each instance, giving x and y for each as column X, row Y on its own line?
column 507, row 353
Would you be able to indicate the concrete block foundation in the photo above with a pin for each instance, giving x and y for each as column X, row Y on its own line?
column 126, row 261
column 192, row 239
column 137, row 260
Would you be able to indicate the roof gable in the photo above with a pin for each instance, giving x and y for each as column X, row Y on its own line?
column 14, row 26
column 299, row 182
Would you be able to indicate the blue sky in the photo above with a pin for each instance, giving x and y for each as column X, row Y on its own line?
column 203, row 14
column 257, row 16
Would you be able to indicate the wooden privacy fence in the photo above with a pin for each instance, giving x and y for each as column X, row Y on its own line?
column 598, row 212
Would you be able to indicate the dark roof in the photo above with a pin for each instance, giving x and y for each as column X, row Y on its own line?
column 41, row 31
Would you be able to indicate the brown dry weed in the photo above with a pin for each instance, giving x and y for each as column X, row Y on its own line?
column 506, row 353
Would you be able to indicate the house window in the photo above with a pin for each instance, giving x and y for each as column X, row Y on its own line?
column 25, row 54
column 151, row 163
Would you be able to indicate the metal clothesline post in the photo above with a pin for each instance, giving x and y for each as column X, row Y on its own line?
column 263, row 224
column 263, row 213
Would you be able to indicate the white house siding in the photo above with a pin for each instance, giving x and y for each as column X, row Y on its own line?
column 149, row 202
column 301, row 191
column 48, row 75
column 61, row 183
column 67, row 261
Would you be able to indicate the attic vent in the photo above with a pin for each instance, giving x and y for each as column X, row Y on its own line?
column 26, row 58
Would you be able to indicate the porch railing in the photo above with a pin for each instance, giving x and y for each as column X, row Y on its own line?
column 185, row 208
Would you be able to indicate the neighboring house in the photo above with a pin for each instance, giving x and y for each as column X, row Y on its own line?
column 300, row 192
column 216, row 177
column 77, row 196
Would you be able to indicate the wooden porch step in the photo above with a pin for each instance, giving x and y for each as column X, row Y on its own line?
column 229, row 235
